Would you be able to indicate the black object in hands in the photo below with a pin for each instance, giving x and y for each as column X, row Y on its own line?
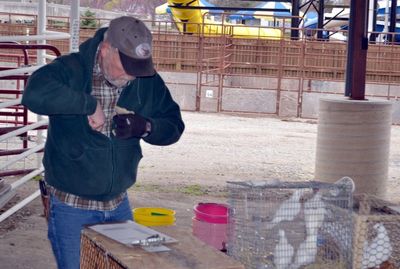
column 129, row 125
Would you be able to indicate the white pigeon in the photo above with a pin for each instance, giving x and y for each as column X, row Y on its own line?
column 283, row 252
column 314, row 219
column 379, row 250
column 306, row 252
column 314, row 214
column 289, row 209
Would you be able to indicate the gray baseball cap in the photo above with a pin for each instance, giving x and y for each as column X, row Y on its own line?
column 134, row 43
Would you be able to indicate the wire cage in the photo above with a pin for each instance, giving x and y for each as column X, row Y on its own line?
column 275, row 224
column 376, row 233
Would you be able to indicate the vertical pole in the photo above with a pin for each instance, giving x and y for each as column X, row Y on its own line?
column 357, row 47
column 294, row 33
column 392, row 27
column 321, row 11
column 385, row 26
column 74, row 26
column 41, row 60
column 41, row 29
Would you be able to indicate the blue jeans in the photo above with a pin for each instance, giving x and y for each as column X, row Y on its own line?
column 66, row 223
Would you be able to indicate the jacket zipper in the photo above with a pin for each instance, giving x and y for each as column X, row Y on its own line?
column 112, row 165
column 112, row 143
column 137, row 91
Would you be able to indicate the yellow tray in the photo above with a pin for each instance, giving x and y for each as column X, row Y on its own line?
column 153, row 216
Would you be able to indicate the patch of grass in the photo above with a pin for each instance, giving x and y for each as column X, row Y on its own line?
column 37, row 178
column 195, row 190
column 192, row 190
column 146, row 187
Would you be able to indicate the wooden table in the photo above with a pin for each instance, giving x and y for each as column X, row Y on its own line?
column 100, row 252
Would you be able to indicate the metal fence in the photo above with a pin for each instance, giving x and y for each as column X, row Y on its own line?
column 19, row 138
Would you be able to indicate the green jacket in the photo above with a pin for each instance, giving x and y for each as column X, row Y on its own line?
column 78, row 159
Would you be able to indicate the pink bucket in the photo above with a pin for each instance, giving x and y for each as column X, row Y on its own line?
column 211, row 212
column 210, row 224
column 213, row 234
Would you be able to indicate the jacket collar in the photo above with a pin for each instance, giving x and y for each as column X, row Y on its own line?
column 88, row 49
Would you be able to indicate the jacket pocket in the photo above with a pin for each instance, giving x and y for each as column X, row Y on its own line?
column 127, row 156
column 66, row 134
column 90, row 174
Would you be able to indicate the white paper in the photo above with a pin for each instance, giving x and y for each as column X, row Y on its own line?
column 128, row 232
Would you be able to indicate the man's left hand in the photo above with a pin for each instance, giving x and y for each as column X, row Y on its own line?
column 130, row 125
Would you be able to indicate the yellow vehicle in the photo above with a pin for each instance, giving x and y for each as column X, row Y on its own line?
column 195, row 21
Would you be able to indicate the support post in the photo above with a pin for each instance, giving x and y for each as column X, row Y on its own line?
column 357, row 46
column 74, row 26
column 393, row 15
column 294, row 33
column 321, row 11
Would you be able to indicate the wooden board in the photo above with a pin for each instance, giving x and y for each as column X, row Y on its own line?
column 189, row 252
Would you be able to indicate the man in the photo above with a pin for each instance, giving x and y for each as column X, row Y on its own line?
column 101, row 102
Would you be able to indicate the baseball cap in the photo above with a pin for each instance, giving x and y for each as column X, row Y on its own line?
column 134, row 43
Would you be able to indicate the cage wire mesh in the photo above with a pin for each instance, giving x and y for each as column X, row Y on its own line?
column 377, row 233
column 275, row 224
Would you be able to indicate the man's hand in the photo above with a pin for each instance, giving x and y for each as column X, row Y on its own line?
column 130, row 125
column 97, row 119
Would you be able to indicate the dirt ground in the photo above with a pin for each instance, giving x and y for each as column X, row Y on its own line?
column 215, row 148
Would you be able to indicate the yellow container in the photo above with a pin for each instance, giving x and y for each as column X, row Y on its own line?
column 154, row 216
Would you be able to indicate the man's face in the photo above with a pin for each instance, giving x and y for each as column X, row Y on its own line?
column 111, row 66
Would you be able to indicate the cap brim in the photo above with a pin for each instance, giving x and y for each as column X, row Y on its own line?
column 137, row 67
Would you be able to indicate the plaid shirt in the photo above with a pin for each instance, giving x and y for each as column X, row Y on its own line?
column 79, row 202
column 107, row 95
